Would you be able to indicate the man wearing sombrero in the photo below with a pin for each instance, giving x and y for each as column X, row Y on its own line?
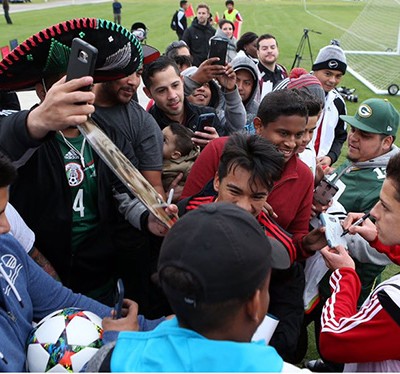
column 64, row 191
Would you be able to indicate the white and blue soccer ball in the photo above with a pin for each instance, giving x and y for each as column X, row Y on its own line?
column 64, row 341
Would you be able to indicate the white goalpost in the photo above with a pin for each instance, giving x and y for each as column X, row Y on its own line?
column 372, row 46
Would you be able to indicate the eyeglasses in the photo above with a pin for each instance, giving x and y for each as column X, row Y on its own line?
column 175, row 45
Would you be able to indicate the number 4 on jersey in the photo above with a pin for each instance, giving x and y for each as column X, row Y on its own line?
column 78, row 206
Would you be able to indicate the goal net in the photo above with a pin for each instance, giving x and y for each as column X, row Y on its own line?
column 372, row 46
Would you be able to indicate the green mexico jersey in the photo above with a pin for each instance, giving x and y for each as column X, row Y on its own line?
column 82, row 180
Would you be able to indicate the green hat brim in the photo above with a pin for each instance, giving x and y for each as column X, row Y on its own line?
column 359, row 125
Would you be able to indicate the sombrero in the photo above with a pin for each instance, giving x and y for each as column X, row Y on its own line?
column 46, row 53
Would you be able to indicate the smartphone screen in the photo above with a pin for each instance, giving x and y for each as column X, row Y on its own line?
column 218, row 48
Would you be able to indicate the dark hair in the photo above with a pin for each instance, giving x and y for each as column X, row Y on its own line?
column 8, row 172
column 281, row 103
column 393, row 173
column 265, row 36
column 254, row 154
column 162, row 63
column 172, row 49
column 182, row 2
column 203, row 317
column 246, row 38
column 229, row 2
column 223, row 21
column 313, row 104
column 182, row 60
column 183, row 141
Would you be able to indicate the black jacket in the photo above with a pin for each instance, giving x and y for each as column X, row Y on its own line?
column 42, row 196
column 197, row 38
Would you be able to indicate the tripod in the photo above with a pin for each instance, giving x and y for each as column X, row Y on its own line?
column 300, row 49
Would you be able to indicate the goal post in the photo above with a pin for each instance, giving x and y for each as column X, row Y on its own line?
column 372, row 46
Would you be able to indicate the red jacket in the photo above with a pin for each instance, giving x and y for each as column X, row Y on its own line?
column 291, row 197
column 371, row 335
column 271, row 229
column 392, row 251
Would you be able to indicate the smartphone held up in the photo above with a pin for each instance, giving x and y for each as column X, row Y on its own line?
column 82, row 60
column 218, row 48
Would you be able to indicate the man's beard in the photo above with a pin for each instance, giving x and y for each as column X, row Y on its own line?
column 351, row 159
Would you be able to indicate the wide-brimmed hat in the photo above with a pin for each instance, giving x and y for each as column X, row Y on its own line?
column 46, row 53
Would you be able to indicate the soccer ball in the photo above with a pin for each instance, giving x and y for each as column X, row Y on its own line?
column 64, row 341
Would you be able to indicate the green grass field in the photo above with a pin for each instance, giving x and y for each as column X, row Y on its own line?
column 285, row 19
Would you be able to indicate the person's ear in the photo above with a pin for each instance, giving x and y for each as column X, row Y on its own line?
column 254, row 308
column 216, row 182
column 387, row 143
column 147, row 92
column 258, row 125
column 175, row 155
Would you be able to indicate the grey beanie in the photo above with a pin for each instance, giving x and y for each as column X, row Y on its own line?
column 330, row 57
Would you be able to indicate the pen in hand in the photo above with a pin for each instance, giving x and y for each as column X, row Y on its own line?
column 357, row 223
column 169, row 200
column 170, row 196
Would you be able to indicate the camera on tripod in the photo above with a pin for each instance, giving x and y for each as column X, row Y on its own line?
column 348, row 94
column 304, row 41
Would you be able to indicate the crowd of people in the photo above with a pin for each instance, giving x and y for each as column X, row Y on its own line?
column 239, row 148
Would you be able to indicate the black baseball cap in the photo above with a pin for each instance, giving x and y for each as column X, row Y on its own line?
column 224, row 248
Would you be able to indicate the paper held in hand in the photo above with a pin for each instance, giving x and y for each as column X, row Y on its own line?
column 266, row 329
column 125, row 171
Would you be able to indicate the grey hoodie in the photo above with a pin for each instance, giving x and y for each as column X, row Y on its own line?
column 358, row 247
column 228, row 105
column 252, row 104
column 231, row 52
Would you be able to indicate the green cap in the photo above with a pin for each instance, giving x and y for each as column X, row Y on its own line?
column 377, row 116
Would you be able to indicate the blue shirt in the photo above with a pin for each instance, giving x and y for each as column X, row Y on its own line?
column 117, row 7
column 172, row 348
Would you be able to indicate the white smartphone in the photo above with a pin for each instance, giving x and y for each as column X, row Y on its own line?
column 333, row 231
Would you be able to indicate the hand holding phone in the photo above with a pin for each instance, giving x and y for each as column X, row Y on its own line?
column 333, row 230
column 82, row 60
column 118, row 299
column 204, row 120
column 218, row 48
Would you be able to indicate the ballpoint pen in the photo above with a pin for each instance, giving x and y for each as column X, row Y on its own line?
column 170, row 196
column 357, row 223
